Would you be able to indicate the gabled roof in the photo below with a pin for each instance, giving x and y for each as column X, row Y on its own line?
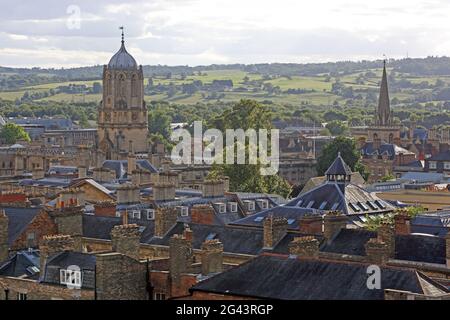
column 18, row 220
column 338, row 167
column 292, row 278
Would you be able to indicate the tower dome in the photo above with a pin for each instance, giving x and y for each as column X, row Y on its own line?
column 122, row 59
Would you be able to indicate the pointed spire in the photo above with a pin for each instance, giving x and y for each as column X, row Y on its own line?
column 383, row 116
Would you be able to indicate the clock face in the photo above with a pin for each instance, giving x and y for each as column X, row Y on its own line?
column 107, row 116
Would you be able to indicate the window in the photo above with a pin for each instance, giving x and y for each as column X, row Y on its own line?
column 363, row 206
column 263, row 203
column 150, row 214
column 372, row 205
column 222, row 208
column 447, row 165
column 232, row 206
column 335, row 205
column 290, row 221
column 380, row 204
column 160, row 296
column 31, row 236
column 354, row 207
column 250, row 205
column 70, row 277
column 433, row 164
column 136, row 214
column 322, row 206
column 21, row 296
column 259, row 219
column 310, row 204
column 184, row 211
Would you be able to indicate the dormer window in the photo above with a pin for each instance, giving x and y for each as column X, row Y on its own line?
column 70, row 277
column 250, row 205
column 263, row 203
column 183, row 210
column 232, row 206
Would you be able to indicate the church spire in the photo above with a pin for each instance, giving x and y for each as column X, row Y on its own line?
column 383, row 116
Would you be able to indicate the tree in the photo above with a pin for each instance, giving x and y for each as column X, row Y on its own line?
column 11, row 133
column 336, row 127
column 159, row 123
column 349, row 152
column 247, row 114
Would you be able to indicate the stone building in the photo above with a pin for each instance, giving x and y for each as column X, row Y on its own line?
column 122, row 114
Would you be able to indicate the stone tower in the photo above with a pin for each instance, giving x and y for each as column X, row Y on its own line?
column 122, row 114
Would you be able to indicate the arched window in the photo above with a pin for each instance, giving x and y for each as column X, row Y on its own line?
column 134, row 86
column 108, row 84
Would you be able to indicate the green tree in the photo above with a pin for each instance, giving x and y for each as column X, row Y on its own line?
column 247, row 114
column 336, row 127
column 349, row 152
column 159, row 123
column 11, row 133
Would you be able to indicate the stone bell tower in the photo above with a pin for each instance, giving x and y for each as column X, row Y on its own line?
column 122, row 114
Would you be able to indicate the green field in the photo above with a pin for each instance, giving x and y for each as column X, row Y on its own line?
column 318, row 88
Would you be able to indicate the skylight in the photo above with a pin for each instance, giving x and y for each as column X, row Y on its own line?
column 259, row 219
column 310, row 204
column 323, row 204
column 354, row 207
column 291, row 221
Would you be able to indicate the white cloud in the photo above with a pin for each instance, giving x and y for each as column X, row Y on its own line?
column 226, row 31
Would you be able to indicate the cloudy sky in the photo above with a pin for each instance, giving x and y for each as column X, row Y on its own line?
column 65, row 33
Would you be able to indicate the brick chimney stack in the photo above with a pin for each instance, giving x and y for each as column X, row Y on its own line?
column 377, row 251
column 402, row 223
column 212, row 257
column 82, row 172
column 69, row 221
column 307, row 247
column 128, row 194
column 274, row 229
column 386, row 234
column 165, row 219
column 332, row 223
column 4, row 245
column 163, row 191
column 311, row 224
column 181, row 256
column 52, row 244
column 202, row 214
column 126, row 240
column 213, row 188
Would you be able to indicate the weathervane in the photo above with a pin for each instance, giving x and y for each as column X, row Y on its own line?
column 121, row 28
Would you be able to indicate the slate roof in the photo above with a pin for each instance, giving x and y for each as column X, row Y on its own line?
column 22, row 263
column 443, row 156
column 235, row 239
column 56, row 123
column 46, row 182
column 389, row 149
column 437, row 223
column 348, row 198
column 122, row 59
column 100, row 227
column 121, row 166
column 292, row 214
column 291, row 278
column 62, row 260
column 419, row 248
column 338, row 167
column 18, row 220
